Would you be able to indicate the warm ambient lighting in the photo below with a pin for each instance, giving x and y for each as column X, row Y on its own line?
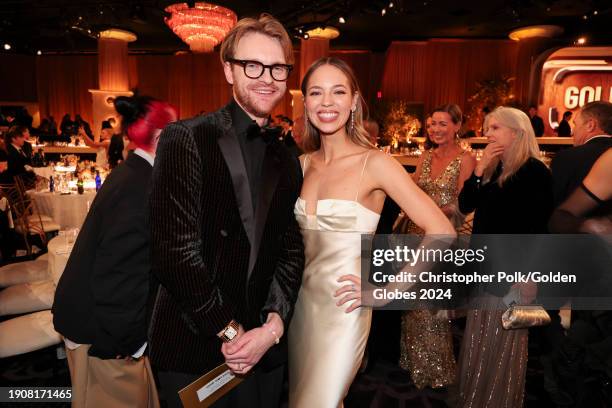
column 201, row 27
column 327, row 32
column 117, row 34
column 7, row 46
column 546, row 31
column 341, row 20
column 581, row 41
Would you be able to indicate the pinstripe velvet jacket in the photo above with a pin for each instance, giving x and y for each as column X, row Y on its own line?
column 215, row 259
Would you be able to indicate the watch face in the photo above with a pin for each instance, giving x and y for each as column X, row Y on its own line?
column 230, row 333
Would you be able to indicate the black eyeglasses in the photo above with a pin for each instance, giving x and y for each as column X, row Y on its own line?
column 255, row 69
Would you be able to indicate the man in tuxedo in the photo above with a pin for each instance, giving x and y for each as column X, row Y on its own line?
column 19, row 155
column 536, row 122
column 592, row 137
column 227, row 250
column 100, row 305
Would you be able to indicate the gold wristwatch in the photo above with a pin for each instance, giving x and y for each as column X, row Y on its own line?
column 230, row 332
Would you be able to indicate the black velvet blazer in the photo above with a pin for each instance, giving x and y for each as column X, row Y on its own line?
column 215, row 259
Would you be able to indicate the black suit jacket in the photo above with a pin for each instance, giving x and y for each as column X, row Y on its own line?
column 538, row 125
column 217, row 260
column 102, row 295
column 570, row 166
column 16, row 164
column 564, row 129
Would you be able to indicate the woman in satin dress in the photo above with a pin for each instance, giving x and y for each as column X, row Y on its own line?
column 426, row 348
column 345, row 184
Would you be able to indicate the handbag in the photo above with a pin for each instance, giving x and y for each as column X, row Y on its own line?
column 524, row 316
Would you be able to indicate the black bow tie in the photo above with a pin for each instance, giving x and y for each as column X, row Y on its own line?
column 267, row 134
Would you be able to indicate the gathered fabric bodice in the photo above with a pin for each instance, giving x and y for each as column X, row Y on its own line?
column 337, row 215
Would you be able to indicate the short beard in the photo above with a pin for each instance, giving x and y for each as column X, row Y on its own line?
column 245, row 102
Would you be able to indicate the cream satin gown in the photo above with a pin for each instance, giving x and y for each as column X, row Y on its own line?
column 326, row 345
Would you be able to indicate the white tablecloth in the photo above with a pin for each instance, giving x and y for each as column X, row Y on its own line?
column 45, row 172
column 68, row 210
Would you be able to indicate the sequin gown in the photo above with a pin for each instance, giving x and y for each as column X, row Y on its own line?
column 426, row 348
column 326, row 345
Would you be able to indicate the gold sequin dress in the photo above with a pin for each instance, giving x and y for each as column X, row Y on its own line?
column 426, row 348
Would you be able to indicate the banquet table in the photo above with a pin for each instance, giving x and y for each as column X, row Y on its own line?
column 68, row 210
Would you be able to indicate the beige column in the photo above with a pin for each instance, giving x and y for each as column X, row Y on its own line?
column 310, row 50
column 113, row 79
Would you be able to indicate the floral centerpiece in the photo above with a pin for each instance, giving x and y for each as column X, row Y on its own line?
column 400, row 125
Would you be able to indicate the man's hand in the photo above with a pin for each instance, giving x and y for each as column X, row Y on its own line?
column 247, row 349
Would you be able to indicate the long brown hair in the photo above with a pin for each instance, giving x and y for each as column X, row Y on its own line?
column 311, row 140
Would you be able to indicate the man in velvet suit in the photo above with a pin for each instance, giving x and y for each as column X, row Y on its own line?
column 227, row 250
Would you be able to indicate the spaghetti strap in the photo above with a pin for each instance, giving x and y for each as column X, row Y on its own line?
column 361, row 176
column 305, row 163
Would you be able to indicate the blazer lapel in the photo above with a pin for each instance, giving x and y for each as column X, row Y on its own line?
column 270, row 174
column 230, row 148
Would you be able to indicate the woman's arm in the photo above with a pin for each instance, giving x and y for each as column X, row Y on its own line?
column 92, row 143
column 468, row 163
column 419, row 167
column 388, row 175
column 595, row 189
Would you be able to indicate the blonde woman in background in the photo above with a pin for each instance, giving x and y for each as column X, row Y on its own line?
column 510, row 191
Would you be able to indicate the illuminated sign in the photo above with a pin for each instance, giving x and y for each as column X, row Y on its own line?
column 571, row 78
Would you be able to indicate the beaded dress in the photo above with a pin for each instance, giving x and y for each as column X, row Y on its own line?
column 426, row 348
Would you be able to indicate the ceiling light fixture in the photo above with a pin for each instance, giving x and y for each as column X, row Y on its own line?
column 201, row 27
column 539, row 31
column 326, row 32
column 118, row 34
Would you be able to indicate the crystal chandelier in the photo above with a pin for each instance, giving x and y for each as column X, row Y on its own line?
column 202, row 26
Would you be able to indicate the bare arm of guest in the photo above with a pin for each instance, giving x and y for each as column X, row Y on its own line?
column 386, row 176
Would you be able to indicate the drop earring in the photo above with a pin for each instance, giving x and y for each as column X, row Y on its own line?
column 352, row 120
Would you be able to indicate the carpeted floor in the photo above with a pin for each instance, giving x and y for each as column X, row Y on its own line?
column 383, row 385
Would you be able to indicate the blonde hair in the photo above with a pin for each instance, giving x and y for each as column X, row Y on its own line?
column 266, row 25
column 311, row 140
column 523, row 147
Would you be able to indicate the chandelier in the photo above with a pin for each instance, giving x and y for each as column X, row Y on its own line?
column 202, row 26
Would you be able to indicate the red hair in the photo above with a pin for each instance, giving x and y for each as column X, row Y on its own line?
column 158, row 115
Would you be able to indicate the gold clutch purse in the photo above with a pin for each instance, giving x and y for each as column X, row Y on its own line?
column 524, row 316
